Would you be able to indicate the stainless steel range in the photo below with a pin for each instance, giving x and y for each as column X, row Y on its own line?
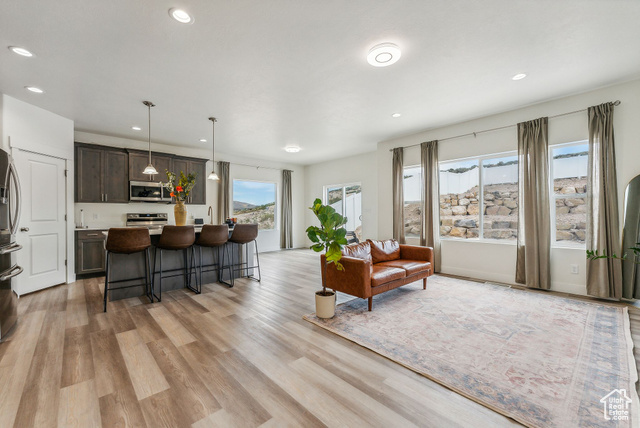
column 150, row 220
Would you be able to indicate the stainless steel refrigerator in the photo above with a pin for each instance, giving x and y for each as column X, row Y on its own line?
column 9, row 218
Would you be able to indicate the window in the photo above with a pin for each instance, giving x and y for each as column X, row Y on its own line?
column 346, row 199
column 500, row 198
column 459, row 199
column 255, row 202
column 412, row 196
column 468, row 213
column 569, row 193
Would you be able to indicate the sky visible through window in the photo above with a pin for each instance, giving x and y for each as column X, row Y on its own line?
column 254, row 192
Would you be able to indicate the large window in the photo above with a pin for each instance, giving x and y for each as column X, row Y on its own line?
column 346, row 199
column 479, row 198
column 255, row 202
column 412, row 196
column 569, row 194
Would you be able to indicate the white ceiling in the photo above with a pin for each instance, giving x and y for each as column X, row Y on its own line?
column 282, row 72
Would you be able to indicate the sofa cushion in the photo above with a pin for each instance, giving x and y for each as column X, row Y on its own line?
column 411, row 266
column 381, row 275
column 384, row 251
column 358, row 251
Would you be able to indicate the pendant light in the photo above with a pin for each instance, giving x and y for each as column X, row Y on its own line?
column 213, row 175
column 150, row 169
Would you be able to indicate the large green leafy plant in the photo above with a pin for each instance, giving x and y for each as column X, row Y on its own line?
column 330, row 236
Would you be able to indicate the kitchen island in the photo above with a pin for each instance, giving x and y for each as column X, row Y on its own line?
column 130, row 266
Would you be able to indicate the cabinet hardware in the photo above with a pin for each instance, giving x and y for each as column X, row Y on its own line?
column 93, row 234
column 24, row 229
column 106, row 197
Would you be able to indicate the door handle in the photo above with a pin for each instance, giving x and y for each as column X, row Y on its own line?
column 106, row 197
column 24, row 229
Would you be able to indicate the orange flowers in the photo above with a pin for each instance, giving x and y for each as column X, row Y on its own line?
column 173, row 195
column 179, row 188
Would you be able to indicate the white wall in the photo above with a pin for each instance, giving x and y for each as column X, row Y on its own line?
column 27, row 127
column 109, row 215
column 496, row 262
column 353, row 169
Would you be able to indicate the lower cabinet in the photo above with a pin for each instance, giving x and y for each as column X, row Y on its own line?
column 90, row 253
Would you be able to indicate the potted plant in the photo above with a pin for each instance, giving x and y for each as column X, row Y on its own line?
column 330, row 237
column 180, row 189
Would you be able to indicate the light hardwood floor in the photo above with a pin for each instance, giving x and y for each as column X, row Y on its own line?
column 228, row 357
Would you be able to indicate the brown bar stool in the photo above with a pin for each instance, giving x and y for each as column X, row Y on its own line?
column 128, row 240
column 175, row 238
column 244, row 234
column 215, row 237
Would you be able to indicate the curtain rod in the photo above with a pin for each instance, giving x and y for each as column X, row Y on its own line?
column 255, row 166
column 615, row 103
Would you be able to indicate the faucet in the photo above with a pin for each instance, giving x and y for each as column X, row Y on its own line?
column 210, row 214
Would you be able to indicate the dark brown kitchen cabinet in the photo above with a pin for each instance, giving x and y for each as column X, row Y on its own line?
column 101, row 174
column 139, row 160
column 198, row 194
column 90, row 253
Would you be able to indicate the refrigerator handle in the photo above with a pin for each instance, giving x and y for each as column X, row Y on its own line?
column 14, row 271
column 13, row 222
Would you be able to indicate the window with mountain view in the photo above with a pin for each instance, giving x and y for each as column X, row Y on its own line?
column 255, row 202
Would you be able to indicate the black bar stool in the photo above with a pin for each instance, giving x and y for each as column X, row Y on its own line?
column 215, row 237
column 244, row 234
column 128, row 240
column 175, row 238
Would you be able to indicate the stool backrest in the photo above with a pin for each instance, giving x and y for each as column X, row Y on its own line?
column 244, row 233
column 177, row 237
column 213, row 235
column 127, row 240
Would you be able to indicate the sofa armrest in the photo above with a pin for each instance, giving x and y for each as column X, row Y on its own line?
column 416, row 252
column 355, row 279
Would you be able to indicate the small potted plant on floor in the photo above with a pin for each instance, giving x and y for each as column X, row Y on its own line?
column 329, row 237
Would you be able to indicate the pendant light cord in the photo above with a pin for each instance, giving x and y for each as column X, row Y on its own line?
column 213, row 142
column 149, row 104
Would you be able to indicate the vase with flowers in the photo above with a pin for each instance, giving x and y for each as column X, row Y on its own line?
column 180, row 188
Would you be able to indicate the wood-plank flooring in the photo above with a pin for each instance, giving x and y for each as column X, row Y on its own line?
column 228, row 357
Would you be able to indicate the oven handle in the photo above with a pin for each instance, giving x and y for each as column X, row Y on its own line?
column 14, row 271
column 10, row 248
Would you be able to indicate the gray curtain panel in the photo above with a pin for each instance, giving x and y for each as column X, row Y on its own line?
column 604, row 276
column 286, row 231
column 534, row 230
column 223, row 192
column 430, row 233
column 398, row 195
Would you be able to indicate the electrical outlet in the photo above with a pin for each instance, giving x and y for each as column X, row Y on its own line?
column 575, row 269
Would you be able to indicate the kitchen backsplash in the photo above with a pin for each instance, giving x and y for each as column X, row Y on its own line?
column 114, row 215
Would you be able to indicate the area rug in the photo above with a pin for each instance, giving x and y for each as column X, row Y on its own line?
column 541, row 359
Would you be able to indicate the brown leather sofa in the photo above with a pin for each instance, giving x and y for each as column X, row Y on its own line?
column 373, row 267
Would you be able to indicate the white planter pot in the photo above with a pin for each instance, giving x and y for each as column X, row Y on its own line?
column 325, row 305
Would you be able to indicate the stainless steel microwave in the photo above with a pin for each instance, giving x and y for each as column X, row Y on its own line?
column 147, row 191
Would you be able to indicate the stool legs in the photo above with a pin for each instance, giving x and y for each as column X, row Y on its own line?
column 244, row 265
column 188, row 267
column 106, row 281
column 219, row 259
column 148, row 285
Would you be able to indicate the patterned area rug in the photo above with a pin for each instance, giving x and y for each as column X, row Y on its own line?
column 543, row 360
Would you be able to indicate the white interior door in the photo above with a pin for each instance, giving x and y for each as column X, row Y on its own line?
column 42, row 224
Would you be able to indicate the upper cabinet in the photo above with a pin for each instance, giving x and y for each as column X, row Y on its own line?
column 101, row 174
column 139, row 160
column 198, row 194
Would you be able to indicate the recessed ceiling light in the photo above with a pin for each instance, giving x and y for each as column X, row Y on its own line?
column 203, row 140
column 181, row 16
column 20, row 51
column 383, row 55
column 292, row 149
column 136, row 128
column 34, row 89
column 396, row 115
column 519, row 76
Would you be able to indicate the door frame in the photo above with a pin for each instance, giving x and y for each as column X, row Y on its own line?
column 69, row 210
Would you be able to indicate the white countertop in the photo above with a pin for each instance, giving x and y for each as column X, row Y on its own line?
column 154, row 231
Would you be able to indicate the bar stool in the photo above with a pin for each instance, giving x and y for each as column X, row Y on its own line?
column 243, row 234
column 215, row 237
column 128, row 240
column 175, row 238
